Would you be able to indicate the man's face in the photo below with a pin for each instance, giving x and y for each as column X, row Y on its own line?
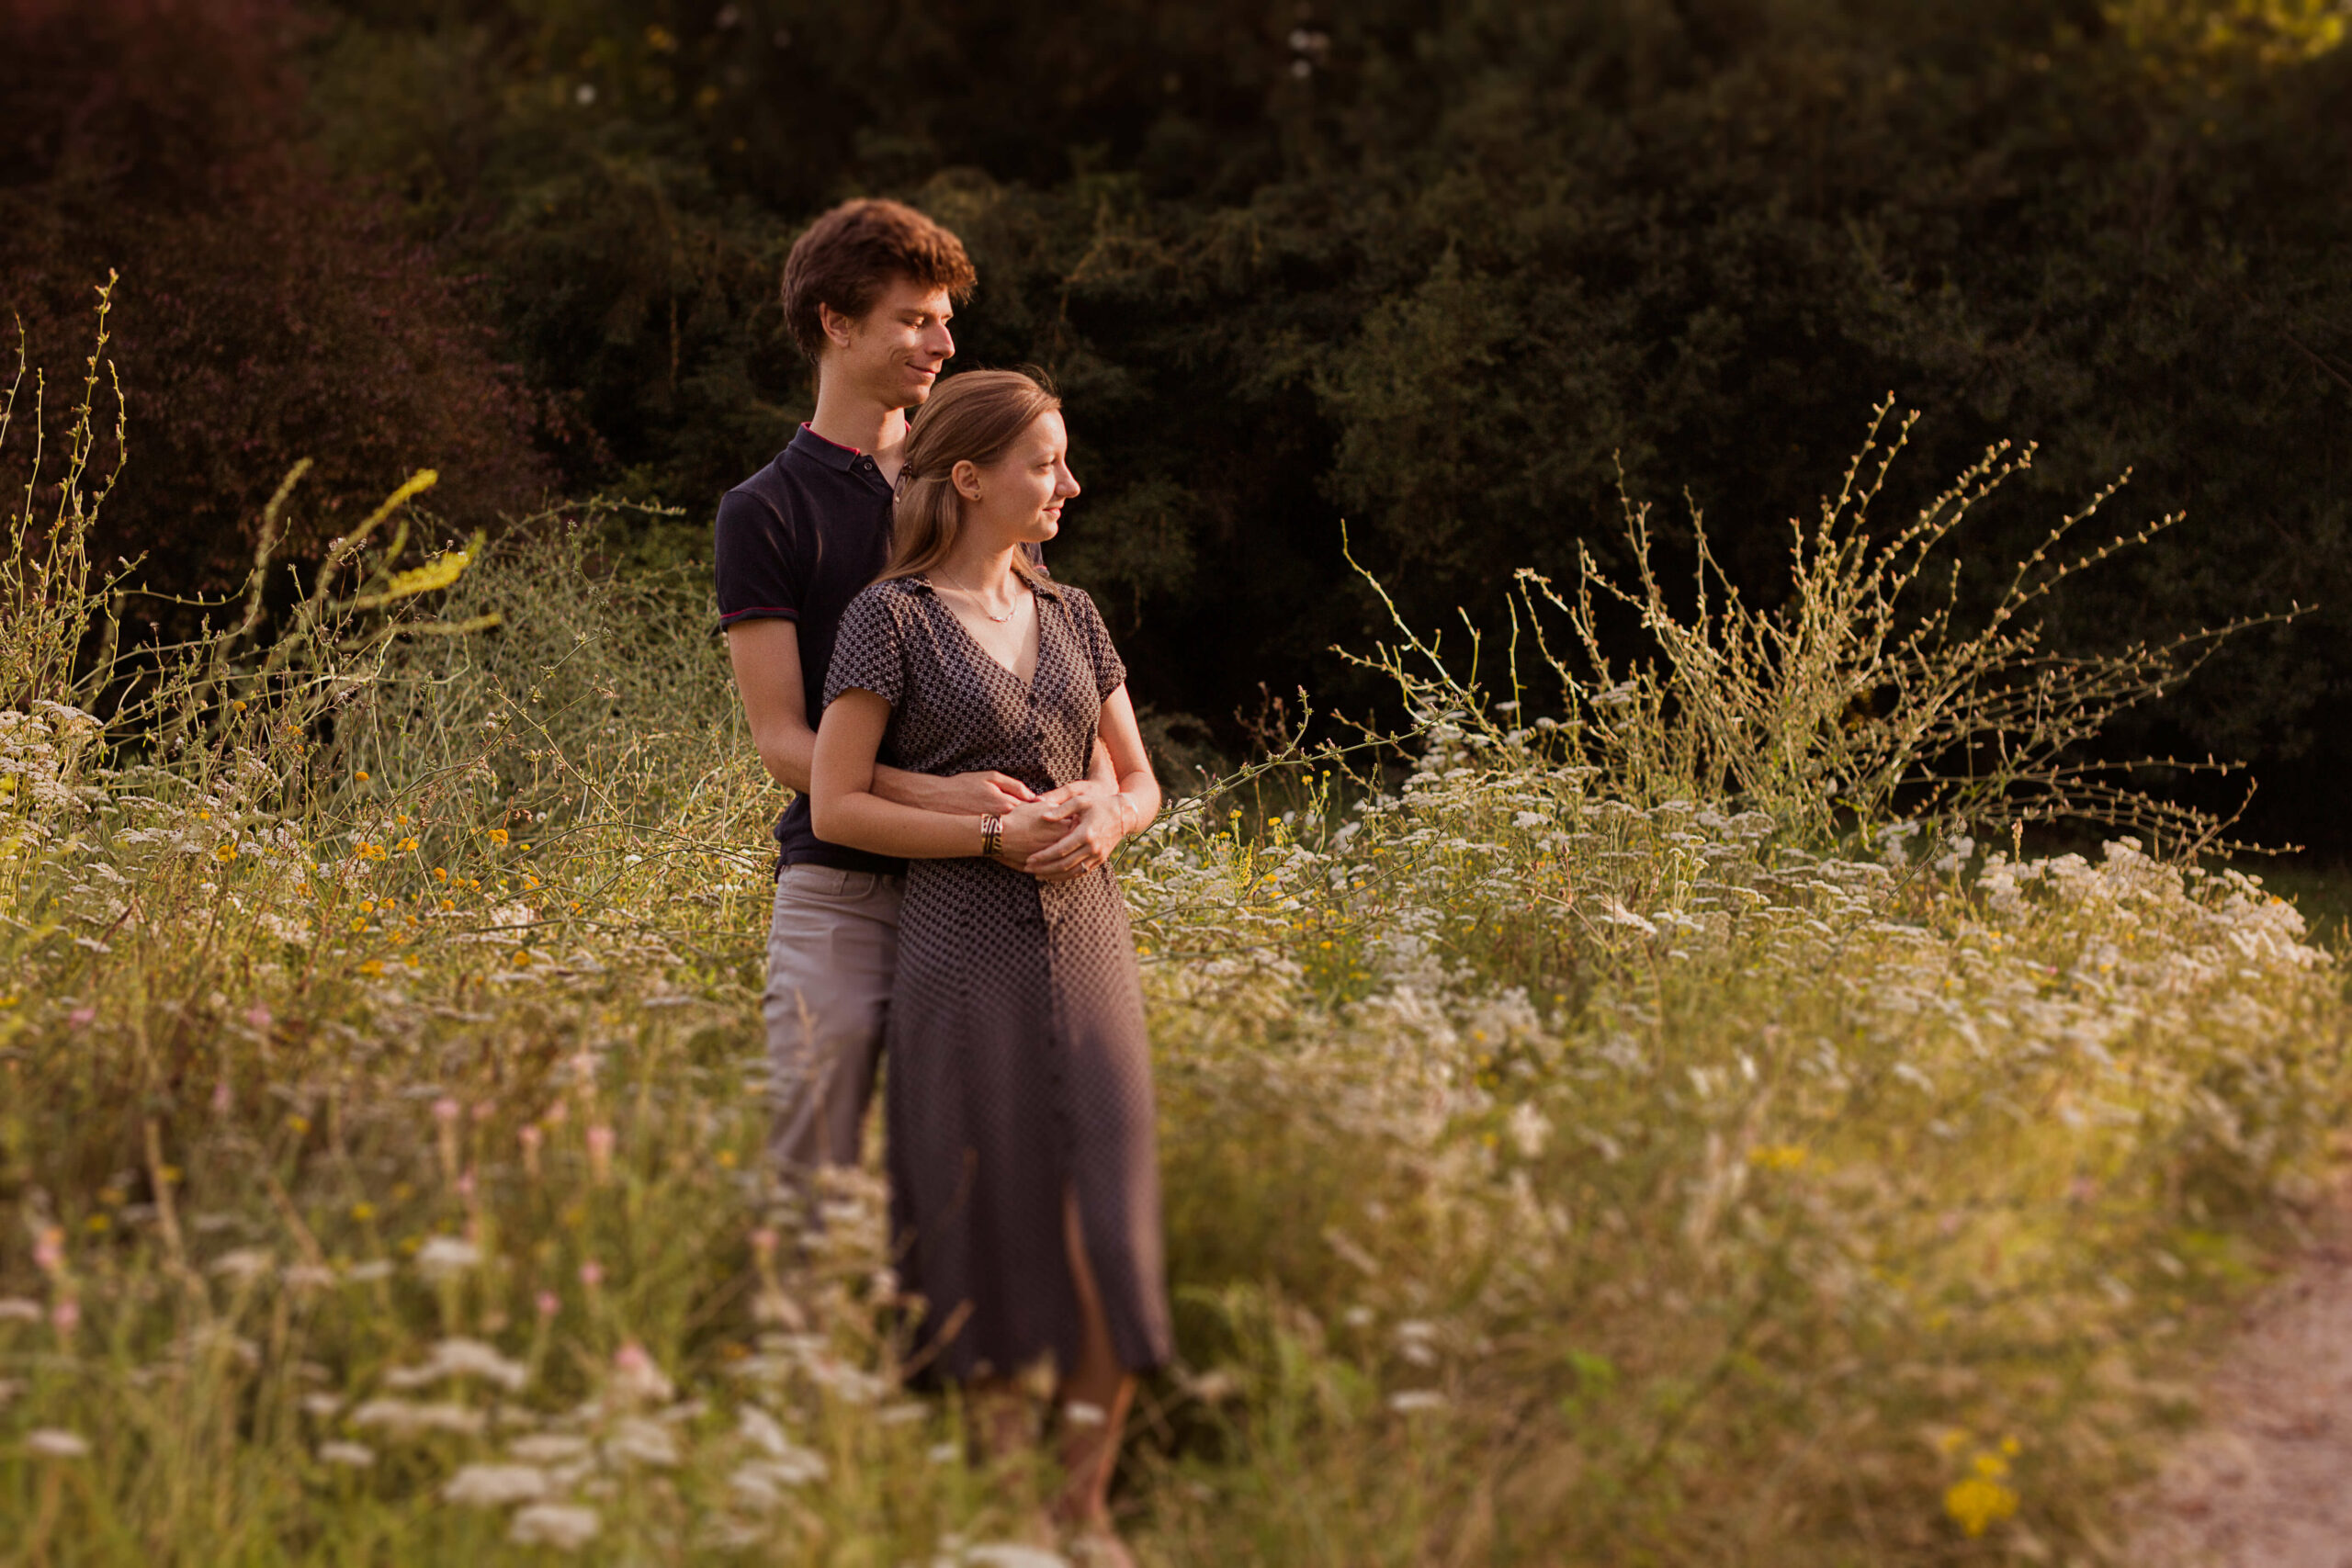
column 896, row 349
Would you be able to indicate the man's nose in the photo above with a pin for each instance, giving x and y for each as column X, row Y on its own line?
column 942, row 343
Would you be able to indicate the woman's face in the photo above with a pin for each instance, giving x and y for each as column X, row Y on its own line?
column 1018, row 499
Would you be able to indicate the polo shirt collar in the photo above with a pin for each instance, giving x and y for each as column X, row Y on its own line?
column 832, row 454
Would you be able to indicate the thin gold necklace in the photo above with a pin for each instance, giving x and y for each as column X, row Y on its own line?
column 976, row 603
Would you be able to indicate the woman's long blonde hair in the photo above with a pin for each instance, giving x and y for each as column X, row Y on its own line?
column 972, row 418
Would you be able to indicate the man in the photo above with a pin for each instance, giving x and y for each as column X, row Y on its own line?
column 869, row 293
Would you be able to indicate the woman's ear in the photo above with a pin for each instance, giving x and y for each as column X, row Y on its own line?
column 966, row 476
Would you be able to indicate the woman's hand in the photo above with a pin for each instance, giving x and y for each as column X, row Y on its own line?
column 1031, row 828
column 1094, row 824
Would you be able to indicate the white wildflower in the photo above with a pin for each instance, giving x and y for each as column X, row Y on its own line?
column 351, row 1456
column 761, row 1430
column 1529, row 1130
column 1407, row 1401
column 56, row 1442
column 642, row 1442
column 405, row 1418
column 635, row 1376
column 495, row 1485
column 462, row 1357
column 547, row 1447
column 445, row 1256
column 245, row 1264
column 1006, row 1554
column 1214, row 1387
column 1616, row 914
column 16, row 1308
column 567, row 1526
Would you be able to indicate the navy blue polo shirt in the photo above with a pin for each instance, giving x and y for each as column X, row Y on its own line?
column 796, row 542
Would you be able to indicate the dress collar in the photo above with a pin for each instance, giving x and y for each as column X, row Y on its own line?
column 919, row 583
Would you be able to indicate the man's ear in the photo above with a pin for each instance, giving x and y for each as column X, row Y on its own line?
column 836, row 327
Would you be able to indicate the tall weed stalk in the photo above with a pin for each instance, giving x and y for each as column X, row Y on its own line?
column 1562, row 1163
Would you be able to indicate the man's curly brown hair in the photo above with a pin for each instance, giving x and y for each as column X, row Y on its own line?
column 848, row 257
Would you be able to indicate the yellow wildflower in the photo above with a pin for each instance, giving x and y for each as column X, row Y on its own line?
column 498, row 835
column 1979, row 1502
column 1777, row 1156
column 439, row 572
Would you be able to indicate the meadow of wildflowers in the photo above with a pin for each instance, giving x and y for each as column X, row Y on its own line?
column 1559, row 1168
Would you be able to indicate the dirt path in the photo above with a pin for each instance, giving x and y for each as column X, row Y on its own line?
column 2267, row 1483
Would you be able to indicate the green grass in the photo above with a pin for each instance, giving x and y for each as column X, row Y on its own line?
column 1566, row 1161
column 1550, row 1179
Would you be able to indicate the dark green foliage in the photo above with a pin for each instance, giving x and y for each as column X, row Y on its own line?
column 265, row 314
column 1438, row 268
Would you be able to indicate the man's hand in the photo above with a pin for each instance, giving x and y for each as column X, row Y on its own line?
column 1097, row 821
column 959, row 794
column 1078, row 789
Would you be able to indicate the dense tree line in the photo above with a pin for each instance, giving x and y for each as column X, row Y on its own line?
column 1437, row 268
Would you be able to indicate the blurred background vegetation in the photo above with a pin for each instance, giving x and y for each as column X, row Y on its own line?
column 1434, row 268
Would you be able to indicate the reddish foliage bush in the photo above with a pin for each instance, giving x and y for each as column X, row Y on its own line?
column 264, row 315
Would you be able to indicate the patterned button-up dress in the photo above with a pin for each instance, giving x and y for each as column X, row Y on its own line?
column 1016, row 1055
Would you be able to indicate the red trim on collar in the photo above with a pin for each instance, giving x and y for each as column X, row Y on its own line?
column 854, row 451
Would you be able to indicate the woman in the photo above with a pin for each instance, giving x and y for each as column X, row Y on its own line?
column 1024, row 1176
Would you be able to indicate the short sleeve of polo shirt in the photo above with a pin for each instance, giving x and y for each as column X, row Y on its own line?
column 761, row 562
column 869, row 651
column 1110, row 670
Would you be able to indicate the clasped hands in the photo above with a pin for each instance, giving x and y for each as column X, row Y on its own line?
column 1063, row 833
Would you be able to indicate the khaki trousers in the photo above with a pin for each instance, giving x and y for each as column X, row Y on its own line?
column 832, row 951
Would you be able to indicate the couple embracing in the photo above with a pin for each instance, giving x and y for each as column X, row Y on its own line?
column 957, row 727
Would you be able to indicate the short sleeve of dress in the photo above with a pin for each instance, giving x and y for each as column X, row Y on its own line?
column 1110, row 670
column 869, row 652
